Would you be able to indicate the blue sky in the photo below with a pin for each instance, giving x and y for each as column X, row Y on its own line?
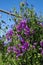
column 10, row 4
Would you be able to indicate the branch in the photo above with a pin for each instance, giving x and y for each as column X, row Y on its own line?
column 13, row 14
column 10, row 13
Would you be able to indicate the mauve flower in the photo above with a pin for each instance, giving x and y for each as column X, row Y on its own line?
column 40, row 49
column 14, row 49
column 23, row 23
column 41, row 24
column 26, row 33
column 21, row 26
column 25, row 47
column 35, row 43
column 18, row 27
column 9, row 34
column 9, row 49
column 18, row 35
column 33, row 47
column 41, row 43
column 22, row 40
column 19, row 45
column 17, row 52
column 26, row 30
column 7, row 42
column 17, row 55
column 20, row 50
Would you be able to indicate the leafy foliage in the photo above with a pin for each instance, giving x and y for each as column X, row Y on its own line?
column 26, row 39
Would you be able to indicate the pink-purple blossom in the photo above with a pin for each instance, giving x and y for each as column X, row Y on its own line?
column 26, row 30
column 20, row 50
column 33, row 46
column 25, row 47
column 41, row 43
column 21, row 26
column 35, row 43
column 9, row 34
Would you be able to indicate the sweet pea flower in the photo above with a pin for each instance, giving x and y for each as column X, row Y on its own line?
column 18, row 27
column 41, row 43
column 33, row 46
column 21, row 26
column 9, row 49
column 25, row 47
column 22, row 40
column 27, row 30
column 9, row 34
column 35, row 43
column 23, row 23
column 40, row 49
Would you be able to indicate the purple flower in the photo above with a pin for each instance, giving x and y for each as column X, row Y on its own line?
column 22, row 40
column 9, row 34
column 27, row 30
column 41, row 43
column 14, row 49
column 33, row 47
column 26, row 33
column 23, row 23
column 18, row 27
column 35, row 43
column 17, row 55
column 41, row 24
column 18, row 52
column 19, row 45
column 7, row 42
column 9, row 49
column 18, row 35
column 25, row 47
column 40, row 49
column 21, row 26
